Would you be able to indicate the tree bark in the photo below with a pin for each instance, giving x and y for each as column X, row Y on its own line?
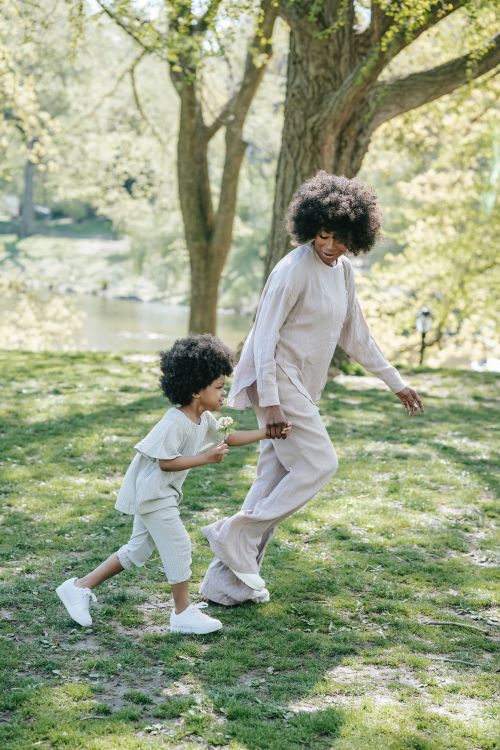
column 308, row 143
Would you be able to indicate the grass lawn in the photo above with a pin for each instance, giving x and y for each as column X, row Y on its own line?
column 381, row 631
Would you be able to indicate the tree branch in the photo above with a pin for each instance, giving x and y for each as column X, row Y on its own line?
column 405, row 29
column 126, row 28
column 395, row 37
column 109, row 93
column 209, row 15
column 403, row 94
column 238, row 104
column 139, row 105
column 382, row 22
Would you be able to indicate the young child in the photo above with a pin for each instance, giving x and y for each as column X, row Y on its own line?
column 186, row 437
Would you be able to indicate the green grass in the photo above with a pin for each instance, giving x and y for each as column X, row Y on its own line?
column 349, row 654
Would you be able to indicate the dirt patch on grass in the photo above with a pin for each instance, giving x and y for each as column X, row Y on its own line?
column 86, row 643
column 350, row 686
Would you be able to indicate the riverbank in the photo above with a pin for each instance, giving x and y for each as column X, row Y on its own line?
column 382, row 626
column 66, row 293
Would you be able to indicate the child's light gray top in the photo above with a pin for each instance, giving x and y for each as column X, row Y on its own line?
column 145, row 486
column 305, row 310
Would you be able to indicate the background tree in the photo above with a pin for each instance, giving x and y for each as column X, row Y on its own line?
column 446, row 191
column 341, row 85
column 183, row 38
column 31, row 98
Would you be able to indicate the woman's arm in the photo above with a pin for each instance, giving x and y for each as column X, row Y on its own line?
column 277, row 300
column 357, row 341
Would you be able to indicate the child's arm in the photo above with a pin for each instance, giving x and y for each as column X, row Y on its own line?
column 181, row 463
column 244, row 437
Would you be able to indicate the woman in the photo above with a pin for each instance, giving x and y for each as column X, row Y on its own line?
column 308, row 306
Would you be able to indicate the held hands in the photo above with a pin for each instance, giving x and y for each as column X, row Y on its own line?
column 411, row 401
column 277, row 426
column 217, row 454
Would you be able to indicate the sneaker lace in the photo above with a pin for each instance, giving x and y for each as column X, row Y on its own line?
column 195, row 608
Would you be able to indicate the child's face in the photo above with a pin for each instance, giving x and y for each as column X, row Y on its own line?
column 212, row 397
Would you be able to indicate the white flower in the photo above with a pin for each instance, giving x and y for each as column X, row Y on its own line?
column 224, row 423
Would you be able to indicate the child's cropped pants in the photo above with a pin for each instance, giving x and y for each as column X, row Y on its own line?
column 164, row 530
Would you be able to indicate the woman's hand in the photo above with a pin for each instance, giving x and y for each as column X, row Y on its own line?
column 411, row 400
column 217, row 454
column 276, row 424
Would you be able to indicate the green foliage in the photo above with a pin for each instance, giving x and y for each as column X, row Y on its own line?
column 445, row 218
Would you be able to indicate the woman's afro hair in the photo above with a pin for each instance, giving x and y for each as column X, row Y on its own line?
column 191, row 365
column 344, row 206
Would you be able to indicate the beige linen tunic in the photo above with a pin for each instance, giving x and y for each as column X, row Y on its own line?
column 305, row 310
column 146, row 487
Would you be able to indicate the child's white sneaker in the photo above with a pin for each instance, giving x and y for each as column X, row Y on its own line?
column 76, row 600
column 191, row 620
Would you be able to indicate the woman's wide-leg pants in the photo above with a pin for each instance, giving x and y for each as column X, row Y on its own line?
column 289, row 473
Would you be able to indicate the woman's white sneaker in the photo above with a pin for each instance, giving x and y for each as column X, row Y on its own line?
column 76, row 600
column 261, row 597
column 252, row 580
column 191, row 620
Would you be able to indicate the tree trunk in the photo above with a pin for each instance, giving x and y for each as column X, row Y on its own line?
column 209, row 233
column 205, row 278
column 335, row 101
column 27, row 213
column 308, row 143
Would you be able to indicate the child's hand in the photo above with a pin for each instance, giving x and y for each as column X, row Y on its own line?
column 286, row 431
column 217, row 454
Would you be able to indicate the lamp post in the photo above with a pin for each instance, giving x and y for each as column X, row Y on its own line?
column 424, row 325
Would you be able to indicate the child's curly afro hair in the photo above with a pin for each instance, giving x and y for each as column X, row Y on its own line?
column 191, row 365
column 344, row 206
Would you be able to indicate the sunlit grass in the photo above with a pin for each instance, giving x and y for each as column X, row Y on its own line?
column 349, row 653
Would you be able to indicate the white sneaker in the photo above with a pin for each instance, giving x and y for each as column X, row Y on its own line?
column 76, row 600
column 252, row 580
column 261, row 597
column 191, row 620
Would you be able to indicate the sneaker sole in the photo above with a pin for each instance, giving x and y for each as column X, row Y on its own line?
column 62, row 596
column 201, row 631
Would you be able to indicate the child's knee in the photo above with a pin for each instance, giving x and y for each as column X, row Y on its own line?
column 134, row 556
column 177, row 564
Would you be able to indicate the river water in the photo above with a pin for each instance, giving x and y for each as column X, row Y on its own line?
column 126, row 325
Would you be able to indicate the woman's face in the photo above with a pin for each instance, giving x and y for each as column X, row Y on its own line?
column 328, row 248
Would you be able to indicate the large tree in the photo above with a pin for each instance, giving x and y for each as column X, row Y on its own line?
column 339, row 91
column 29, row 104
column 184, row 38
